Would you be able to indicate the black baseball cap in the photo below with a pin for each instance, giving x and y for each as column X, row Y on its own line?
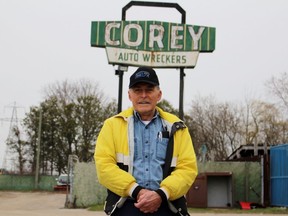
column 144, row 74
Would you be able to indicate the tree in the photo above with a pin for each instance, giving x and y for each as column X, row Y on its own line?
column 215, row 126
column 18, row 146
column 52, row 146
column 72, row 115
column 278, row 86
column 167, row 106
column 268, row 123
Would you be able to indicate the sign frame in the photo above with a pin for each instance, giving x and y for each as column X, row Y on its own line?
column 120, row 72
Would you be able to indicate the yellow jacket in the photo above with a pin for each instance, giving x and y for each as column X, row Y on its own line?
column 114, row 156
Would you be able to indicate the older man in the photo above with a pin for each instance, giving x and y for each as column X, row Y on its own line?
column 144, row 156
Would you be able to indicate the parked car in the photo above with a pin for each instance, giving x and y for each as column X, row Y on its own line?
column 63, row 180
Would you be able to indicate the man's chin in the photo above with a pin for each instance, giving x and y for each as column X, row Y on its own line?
column 144, row 110
column 144, row 106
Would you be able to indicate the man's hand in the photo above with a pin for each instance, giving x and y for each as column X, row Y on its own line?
column 148, row 201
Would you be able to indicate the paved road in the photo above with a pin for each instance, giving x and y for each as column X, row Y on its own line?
column 51, row 203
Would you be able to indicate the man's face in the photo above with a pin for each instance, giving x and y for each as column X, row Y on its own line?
column 144, row 98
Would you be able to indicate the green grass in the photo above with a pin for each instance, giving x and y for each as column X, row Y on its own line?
column 96, row 208
column 268, row 210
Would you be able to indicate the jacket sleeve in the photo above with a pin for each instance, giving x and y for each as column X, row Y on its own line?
column 107, row 162
column 184, row 159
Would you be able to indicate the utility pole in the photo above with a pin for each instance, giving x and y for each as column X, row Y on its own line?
column 38, row 150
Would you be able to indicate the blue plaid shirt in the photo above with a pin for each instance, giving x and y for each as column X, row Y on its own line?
column 149, row 152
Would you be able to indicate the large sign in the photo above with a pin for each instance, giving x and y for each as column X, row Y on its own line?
column 152, row 43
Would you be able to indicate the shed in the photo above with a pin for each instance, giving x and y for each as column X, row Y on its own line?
column 211, row 189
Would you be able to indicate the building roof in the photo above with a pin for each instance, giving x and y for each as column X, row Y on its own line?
column 246, row 152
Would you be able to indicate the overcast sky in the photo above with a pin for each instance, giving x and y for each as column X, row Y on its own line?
column 48, row 41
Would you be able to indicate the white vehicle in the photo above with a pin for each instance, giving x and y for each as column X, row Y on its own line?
column 63, row 180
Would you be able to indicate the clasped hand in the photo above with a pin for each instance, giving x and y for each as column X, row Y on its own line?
column 148, row 201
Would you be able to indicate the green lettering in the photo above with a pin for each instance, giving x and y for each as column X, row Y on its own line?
column 146, row 57
column 184, row 60
column 168, row 60
column 120, row 57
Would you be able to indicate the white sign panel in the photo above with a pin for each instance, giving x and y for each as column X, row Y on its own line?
column 152, row 59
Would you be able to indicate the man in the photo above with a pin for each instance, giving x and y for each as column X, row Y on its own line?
column 145, row 156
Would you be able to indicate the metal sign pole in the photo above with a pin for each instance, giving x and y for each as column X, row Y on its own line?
column 120, row 88
column 181, row 94
column 183, row 21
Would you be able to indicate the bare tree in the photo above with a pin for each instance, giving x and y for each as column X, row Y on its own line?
column 267, row 121
column 217, row 126
column 278, row 86
column 223, row 127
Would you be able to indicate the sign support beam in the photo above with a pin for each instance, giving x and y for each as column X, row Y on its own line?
column 120, row 73
column 182, row 74
column 181, row 94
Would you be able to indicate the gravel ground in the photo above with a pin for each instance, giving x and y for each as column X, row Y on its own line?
column 38, row 203
column 51, row 203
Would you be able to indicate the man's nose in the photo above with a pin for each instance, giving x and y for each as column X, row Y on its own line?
column 143, row 93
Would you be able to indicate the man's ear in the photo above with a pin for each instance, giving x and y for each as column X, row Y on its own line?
column 129, row 96
column 160, row 95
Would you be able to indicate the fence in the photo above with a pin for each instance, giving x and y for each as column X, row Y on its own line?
column 246, row 186
column 87, row 191
column 25, row 183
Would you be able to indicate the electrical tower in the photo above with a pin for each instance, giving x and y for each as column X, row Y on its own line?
column 14, row 122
